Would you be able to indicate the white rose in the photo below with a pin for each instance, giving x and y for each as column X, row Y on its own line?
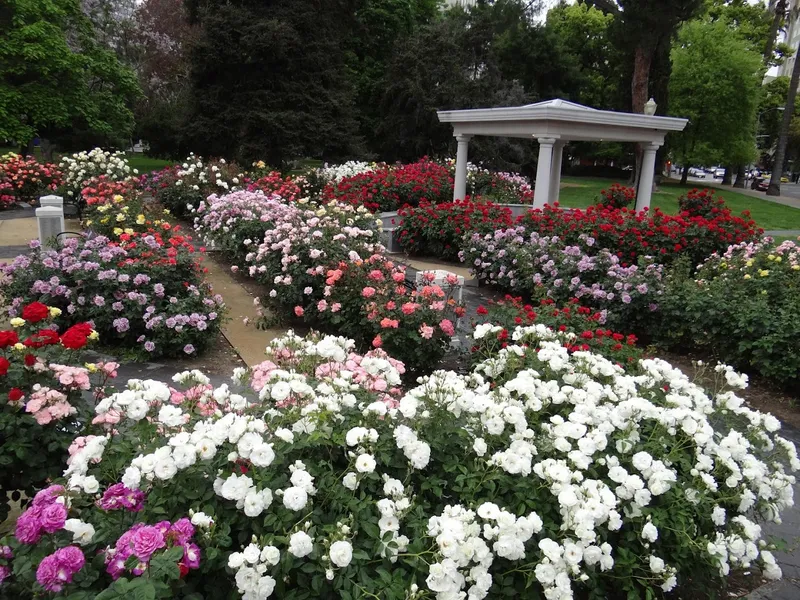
column 262, row 455
column 252, row 553
column 365, row 463
column 280, row 391
column 350, row 481
column 166, row 469
column 479, row 446
column 270, row 555
column 131, row 478
column 341, row 553
column 202, row 520
column 90, row 484
column 656, row 564
column 295, row 498
column 82, row 533
column 650, row 532
column 300, row 544
column 266, row 585
column 235, row 560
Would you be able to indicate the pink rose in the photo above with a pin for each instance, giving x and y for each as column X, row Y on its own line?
column 147, row 540
column 368, row 292
column 409, row 307
column 426, row 331
column 43, row 417
column 298, row 310
column 53, row 517
column 336, row 307
column 447, row 327
column 29, row 527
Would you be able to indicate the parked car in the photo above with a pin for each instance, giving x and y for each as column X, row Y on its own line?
column 760, row 183
column 695, row 172
column 719, row 172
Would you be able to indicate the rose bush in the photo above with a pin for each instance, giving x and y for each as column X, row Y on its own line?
column 387, row 188
column 702, row 203
column 42, row 408
column 631, row 234
column 117, row 208
column 144, row 292
column 584, row 329
column 501, row 187
column 24, row 178
column 181, row 189
column 548, row 267
column 617, row 196
column 439, row 229
column 742, row 306
column 80, row 168
column 542, row 469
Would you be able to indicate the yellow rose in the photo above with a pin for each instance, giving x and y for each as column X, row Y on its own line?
column 771, row 257
column 103, row 208
column 89, row 222
column 19, row 346
column 94, row 335
column 140, row 219
column 91, row 367
column 129, row 231
column 747, row 276
column 118, row 198
column 778, row 259
column 117, row 231
column 54, row 312
column 104, row 220
column 763, row 272
column 795, row 267
column 166, row 211
column 125, row 208
column 17, row 322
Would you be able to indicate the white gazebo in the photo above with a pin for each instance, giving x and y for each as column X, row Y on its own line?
column 553, row 123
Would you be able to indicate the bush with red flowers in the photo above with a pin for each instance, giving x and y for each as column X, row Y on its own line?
column 439, row 229
column 705, row 203
column 25, row 178
column 43, row 381
column 273, row 183
column 388, row 187
column 630, row 234
column 617, row 196
column 143, row 292
column 585, row 325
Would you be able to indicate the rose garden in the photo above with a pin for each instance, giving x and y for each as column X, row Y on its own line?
column 553, row 454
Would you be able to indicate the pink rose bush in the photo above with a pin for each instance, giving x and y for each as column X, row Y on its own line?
column 317, row 472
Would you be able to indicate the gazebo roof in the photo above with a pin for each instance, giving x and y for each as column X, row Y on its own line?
column 563, row 120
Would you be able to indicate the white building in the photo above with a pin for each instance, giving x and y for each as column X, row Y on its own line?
column 460, row 2
column 792, row 38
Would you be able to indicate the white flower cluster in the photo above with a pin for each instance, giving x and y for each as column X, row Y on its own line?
column 335, row 173
column 194, row 174
column 296, row 497
column 417, row 452
column 82, row 533
column 80, row 167
column 76, row 472
column 135, row 401
column 250, row 566
column 392, row 508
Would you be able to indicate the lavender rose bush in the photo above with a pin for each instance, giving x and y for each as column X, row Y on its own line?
column 543, row 266
column 315, row 475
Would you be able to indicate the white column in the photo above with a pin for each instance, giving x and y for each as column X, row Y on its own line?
column 555, row 172
column 541, row 193
column 460, row 183
column 645, row 191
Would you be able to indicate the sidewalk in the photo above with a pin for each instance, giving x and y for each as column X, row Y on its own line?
column 785, row 200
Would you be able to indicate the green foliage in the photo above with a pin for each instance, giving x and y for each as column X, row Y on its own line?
column 740, row 307
column 715, row 83
column 57, row 82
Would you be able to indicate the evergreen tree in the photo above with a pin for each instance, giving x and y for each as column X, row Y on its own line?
column 269, row 79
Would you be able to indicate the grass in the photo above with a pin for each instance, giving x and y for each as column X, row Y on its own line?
column 581, row 192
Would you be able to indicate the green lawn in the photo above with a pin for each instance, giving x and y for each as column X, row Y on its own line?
column 145, row 164
column 580, row 192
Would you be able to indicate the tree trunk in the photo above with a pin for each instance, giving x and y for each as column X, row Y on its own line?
column 642, row 59
column 777, row 166
column 777, row 18
column 685, row 174
column 726, row 178
column 740, row 177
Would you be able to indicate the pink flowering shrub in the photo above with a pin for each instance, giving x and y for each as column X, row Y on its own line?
column 367, row 300
column 43, row 397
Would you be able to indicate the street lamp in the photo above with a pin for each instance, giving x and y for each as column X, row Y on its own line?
column 650, row 107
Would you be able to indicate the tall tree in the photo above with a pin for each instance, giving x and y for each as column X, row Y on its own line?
column 715, row 75
column 774, row 188
column 56, row 82
column 269, row 79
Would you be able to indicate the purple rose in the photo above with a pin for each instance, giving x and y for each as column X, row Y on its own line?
column 53, row 517
column 188, row 348
column 147, row 540
column 71, row 558
column 6, row 552
column 48, row 495
column 191, row 556
column 5, row 572
column 29, row 527
column 149, row 346
column 183, row 530
column 48, row 574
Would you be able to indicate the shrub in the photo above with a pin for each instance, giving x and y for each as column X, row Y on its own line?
column 500, row 187
column 42, row 379
column 631, row 234
column 547, row 267
column 617, row 196
column 272, row 183
column 25, row 178
column 582, row 326
column 367, row 301
column 541, row 470
column 387, row 188
column 741, row 306
column 701, row 204
column 181, row 190
column 439, row 229
column 80, row 168
column 144, row 293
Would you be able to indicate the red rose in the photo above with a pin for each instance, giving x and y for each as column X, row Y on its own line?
column 35, row 312
column 43, row 337
column 4, row 364
column 15, row 395
column 30, row 360
column 8, row 338
column 74, row 339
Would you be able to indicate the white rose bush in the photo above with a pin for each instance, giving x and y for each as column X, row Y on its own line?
column 81, row 168
column 542, row 472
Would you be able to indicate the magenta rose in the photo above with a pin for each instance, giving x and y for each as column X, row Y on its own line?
column 53, row 517
column 48, row 496
column 29, row 527
column 146, row 541
column 70, row 558
column 183, row 530
column 50, row 575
